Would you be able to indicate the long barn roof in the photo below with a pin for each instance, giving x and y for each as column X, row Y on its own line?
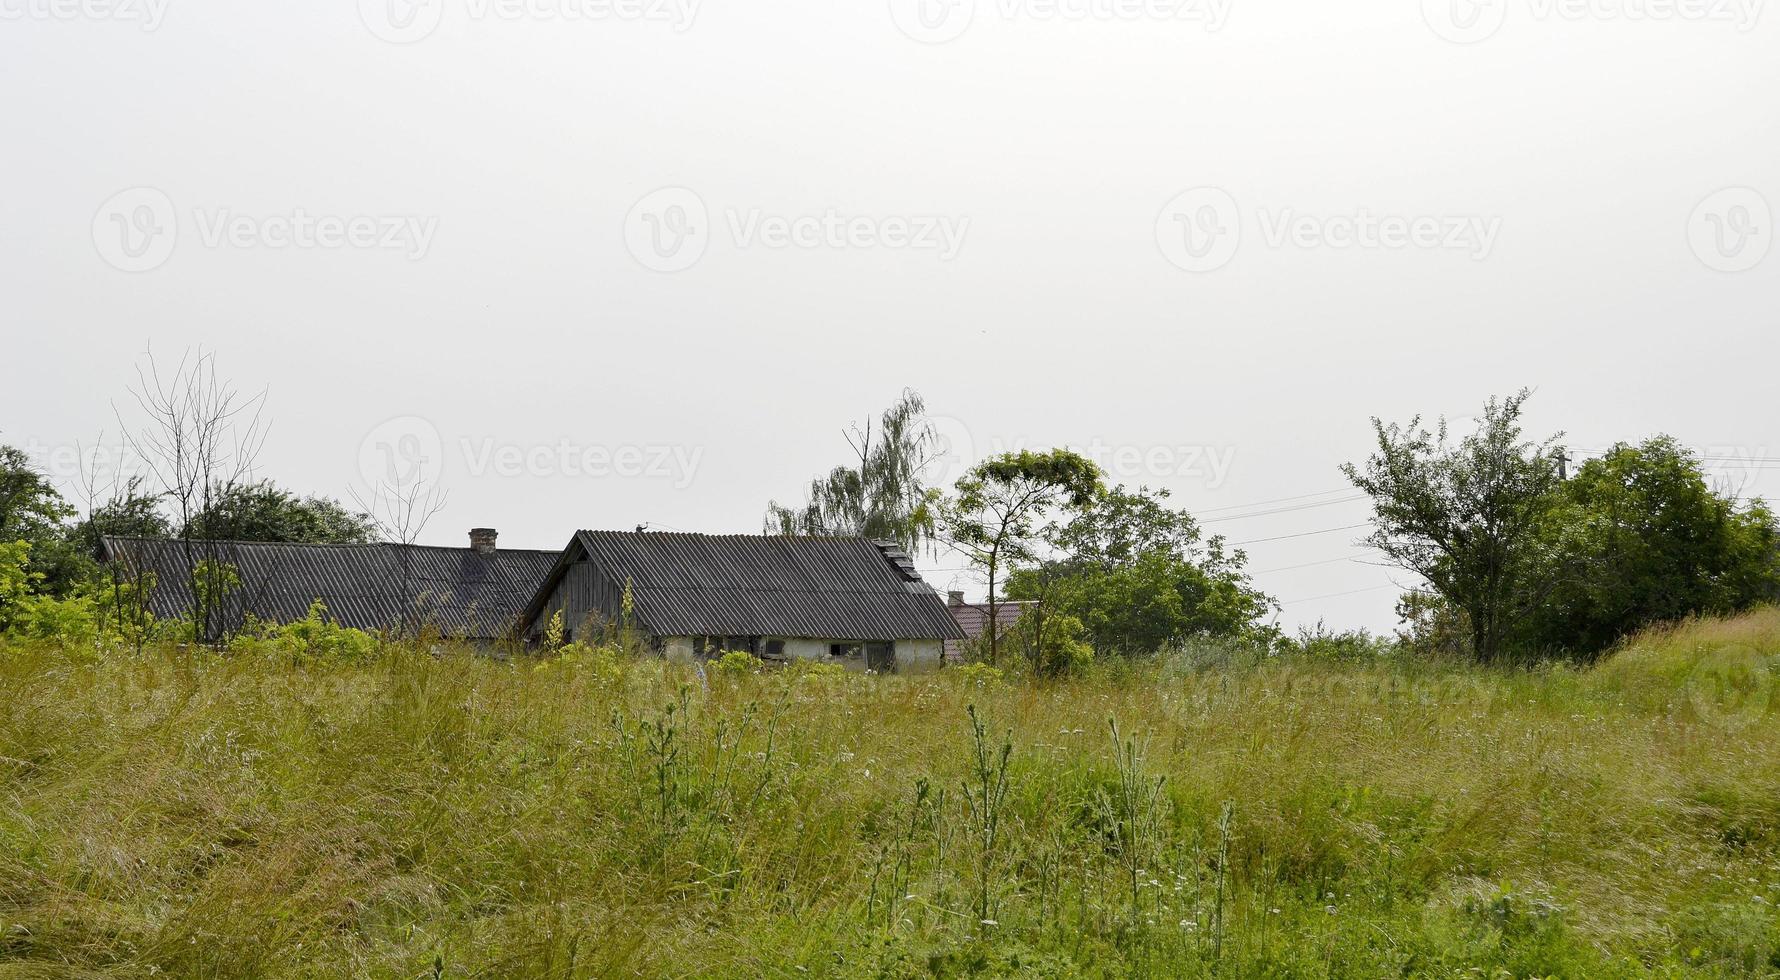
column 365, row 586
column 762, row 585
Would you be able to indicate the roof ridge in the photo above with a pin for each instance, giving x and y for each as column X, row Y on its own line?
column 323, row 544
column 733, row 534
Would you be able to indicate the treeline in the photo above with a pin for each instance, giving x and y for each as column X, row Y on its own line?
column 1518, row 560
column 1523, row 564
column 52, row 586
column 190, row 451
column 63, row 540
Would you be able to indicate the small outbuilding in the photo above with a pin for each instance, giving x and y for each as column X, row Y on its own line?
column 850, row 601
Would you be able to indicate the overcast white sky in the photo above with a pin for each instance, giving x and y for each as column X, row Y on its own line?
column 681, row 244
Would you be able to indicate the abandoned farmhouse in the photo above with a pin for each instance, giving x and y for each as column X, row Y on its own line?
column 851, row 601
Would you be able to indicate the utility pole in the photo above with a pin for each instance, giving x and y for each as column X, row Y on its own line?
column 1563, row 458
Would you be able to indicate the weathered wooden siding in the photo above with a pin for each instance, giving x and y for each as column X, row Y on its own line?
column 586, row 599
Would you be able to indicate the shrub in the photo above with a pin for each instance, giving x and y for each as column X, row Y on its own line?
column 317, row 636
column 1345, row 646
column 1063, row 647
column 72, row 622
column 805, row 667
column 735, row 663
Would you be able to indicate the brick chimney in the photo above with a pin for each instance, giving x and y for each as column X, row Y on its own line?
column 482, row 540
column 954, row 598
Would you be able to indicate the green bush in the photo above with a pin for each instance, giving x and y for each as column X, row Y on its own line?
column 317, row 636
column 735, row 663
column 1061, row 649
column 71, row 621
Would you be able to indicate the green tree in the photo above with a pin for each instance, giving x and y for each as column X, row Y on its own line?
column 33, row 511
column 994, row 516
column 881, row 494
column 1430, row 626
column 1467, row 517
column 130, row 513
column 1055, row 644
column 16, row 579
column 1651, row 542
column 264, row 511
column 1139, row 577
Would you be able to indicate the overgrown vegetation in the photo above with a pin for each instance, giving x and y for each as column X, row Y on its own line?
column 1232, row 810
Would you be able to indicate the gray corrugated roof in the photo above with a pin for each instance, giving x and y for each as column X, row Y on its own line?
column 760, row 585
column 368, row 586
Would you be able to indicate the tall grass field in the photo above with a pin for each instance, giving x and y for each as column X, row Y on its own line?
column 422, row 813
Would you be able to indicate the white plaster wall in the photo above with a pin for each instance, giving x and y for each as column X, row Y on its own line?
column 807, row 649
column 678, row 649
column 915, row 656
column 912, row 656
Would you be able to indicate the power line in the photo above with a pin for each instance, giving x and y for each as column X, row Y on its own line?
column 1276, row 500
column 1308, row 564
column 1702, row 458
column 1335, row 595
column 1302, row 534
column 1287, row 510
column 1281, row 537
